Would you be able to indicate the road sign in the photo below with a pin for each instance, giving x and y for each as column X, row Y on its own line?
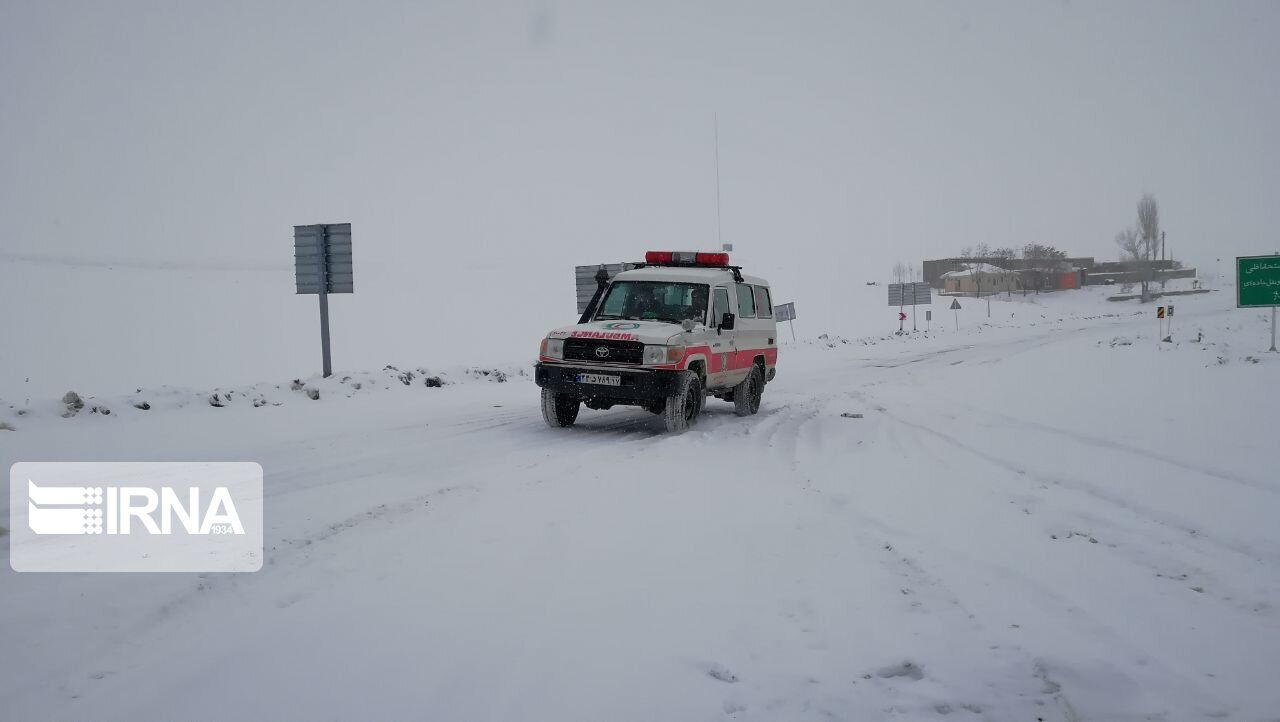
column 928, row 315
column 322, row 258
column 909, row 294
column 955, row 304
column 1160, row 312
column 1171, row 310
column 585, row 280
column 1257, row 281
column 902, row 316
column 1258, row 285
column 322, row 265
column 786, row 312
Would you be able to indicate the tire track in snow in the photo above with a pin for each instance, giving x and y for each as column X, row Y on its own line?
column 1188, row 529
column 1105, row 443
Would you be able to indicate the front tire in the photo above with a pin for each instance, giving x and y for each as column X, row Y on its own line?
column 682, row 408
column 559, row 409
column 746, row 395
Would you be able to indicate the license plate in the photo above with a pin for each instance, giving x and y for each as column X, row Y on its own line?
column 600, row 379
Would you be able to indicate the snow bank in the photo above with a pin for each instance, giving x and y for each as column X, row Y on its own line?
column 299, row 391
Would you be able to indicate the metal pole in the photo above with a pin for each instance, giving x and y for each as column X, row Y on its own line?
column 326, row 360
column 717, row 135
column 913, row 308
column 1273, row 329
column 324, row 334
column 1273, row 319
column 792, row 323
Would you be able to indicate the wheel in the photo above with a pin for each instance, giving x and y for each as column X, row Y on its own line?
column 559, row 409
column 746, row 395
column 682, row 408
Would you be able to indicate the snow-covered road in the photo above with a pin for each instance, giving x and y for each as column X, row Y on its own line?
column 997, row 537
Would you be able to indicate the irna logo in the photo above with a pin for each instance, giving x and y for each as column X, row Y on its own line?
column 130, row 509
column 135, row 516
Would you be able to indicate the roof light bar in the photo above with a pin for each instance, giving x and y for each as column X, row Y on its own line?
column 686, row 258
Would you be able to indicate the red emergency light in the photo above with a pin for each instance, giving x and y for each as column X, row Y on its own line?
column 686, row 258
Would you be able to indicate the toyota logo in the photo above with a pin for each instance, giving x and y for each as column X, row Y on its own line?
column 602, row 351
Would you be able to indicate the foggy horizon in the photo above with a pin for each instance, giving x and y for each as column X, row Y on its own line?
column 877, row 132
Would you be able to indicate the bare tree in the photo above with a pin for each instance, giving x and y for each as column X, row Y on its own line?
column 1005, row 253
column 900, row 271
column 1130, row 245
column 1044, row 261
column 1130, row 254
column 1149, row 235
column 967, row 252
column 982, row 250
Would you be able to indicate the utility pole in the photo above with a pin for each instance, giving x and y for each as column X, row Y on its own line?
column 1164, row 272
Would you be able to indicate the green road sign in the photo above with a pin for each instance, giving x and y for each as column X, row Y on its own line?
column 1257, row 281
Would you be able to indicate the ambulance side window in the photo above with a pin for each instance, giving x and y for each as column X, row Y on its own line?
column 721, row 306
column 763, row 304
column 746, row 302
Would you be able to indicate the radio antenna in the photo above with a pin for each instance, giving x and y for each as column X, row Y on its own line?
column 717, row 138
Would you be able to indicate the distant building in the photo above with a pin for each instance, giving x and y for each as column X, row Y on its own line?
column 981, row 278
column 1061, row 273
column 1124, row 272
column 1053, row 276
column 933, row 270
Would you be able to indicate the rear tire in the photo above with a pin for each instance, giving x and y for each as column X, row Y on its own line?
column 559, row 409
column 682, row 408
column 746, row 395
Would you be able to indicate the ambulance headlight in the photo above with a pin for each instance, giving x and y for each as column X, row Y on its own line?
column 553, row 348
column 657, row 355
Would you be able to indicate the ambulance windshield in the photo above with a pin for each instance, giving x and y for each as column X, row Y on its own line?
column 655, row 301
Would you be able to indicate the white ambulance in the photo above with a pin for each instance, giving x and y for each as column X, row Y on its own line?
column 664, row 336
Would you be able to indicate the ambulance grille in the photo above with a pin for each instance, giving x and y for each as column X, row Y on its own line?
column 603, row 351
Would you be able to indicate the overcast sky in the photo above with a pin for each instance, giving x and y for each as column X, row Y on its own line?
column 874, row 131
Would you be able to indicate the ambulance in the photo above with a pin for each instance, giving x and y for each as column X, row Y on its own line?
column 663, row 336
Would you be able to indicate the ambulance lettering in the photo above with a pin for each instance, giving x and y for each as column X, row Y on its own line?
column 607, row 335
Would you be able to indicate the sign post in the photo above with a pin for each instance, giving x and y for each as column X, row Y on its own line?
column 322, row 265
column 928, row 319
column 1258, row 286
column 955, row 306
column 786, row 312
column 909, row 294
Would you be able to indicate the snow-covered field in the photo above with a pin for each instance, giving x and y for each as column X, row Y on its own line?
column 1048, row 516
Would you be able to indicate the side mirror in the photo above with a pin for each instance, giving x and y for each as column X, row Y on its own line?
column 726, row 322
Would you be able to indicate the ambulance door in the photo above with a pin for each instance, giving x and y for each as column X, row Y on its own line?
column 721, row 341
column 745, row 332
